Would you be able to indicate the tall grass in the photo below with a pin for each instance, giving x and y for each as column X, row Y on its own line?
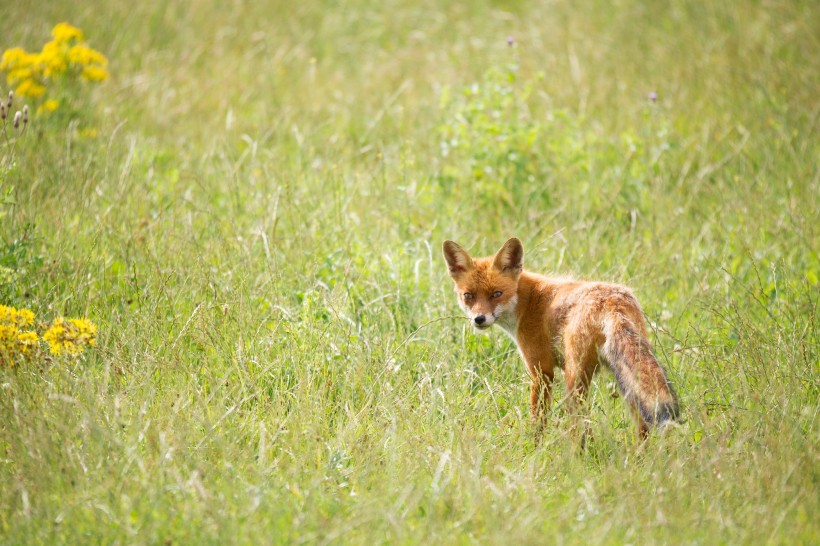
column 255, row 230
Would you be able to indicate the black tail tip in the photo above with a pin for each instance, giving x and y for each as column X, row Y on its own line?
column 665, row 413
column 662, row 413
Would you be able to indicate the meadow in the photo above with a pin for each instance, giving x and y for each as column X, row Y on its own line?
column 251, row 208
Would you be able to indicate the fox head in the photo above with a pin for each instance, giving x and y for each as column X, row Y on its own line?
column 487, row 288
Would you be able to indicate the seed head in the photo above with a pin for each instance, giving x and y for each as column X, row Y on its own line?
column 17, row 117
column 11, row 97
column 3, row 112
column 25, row 114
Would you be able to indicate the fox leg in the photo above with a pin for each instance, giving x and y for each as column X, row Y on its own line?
column 578, row 371
column 540, row 364
column 640, row 423
column 540, row 396
column 577, row 387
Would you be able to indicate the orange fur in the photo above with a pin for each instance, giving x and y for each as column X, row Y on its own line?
column 566, row 323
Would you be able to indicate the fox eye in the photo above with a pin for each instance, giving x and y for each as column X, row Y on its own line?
column 468, row 296
column 497, row 294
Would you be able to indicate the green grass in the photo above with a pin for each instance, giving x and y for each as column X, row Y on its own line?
column 256, row 230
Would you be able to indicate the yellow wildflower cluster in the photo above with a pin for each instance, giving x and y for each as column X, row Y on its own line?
column 70, row 336
column 19, row 338
column 66, row 55
column 16, row 337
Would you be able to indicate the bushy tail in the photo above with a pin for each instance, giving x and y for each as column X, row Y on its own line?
column 641, row 379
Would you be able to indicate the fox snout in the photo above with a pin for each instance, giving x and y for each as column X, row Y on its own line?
column 483, row 321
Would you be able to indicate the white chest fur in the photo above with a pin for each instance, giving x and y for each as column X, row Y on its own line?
column 506, row 318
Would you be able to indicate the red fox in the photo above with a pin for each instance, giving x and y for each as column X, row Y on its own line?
column 567, row 323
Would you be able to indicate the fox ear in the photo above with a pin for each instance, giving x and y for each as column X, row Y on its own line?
column 457, row 258
column 510, row 259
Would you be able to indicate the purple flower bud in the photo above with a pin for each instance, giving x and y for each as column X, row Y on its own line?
column 510, row 41
column 653, row 96
column 3, row 112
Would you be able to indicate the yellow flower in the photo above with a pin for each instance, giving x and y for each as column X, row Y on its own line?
column 86, row 330
column 15, row 343
column 25, row 318
column 83, row 55
column 12, row 58
column 48, row 106
column 63, row 32
column 30, row 88
column 27, row 341
column 53, row 58
column 54, row 336
column 31, row 72
column 20, row 65
column 70, row 336
column 21, row 318
column 8, row 344
column 95, row 73
column 8, row 336
column 16, row 75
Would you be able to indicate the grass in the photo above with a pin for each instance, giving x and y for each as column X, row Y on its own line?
column 256, row 231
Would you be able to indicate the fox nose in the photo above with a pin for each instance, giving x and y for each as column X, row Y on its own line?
column 480, row 319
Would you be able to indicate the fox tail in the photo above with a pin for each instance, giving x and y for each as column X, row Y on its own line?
column 640, row 378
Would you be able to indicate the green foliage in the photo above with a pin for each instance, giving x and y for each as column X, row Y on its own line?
column 488, row 138
column 495, row 149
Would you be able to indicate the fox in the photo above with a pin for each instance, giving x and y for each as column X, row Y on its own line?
column 571, row 324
